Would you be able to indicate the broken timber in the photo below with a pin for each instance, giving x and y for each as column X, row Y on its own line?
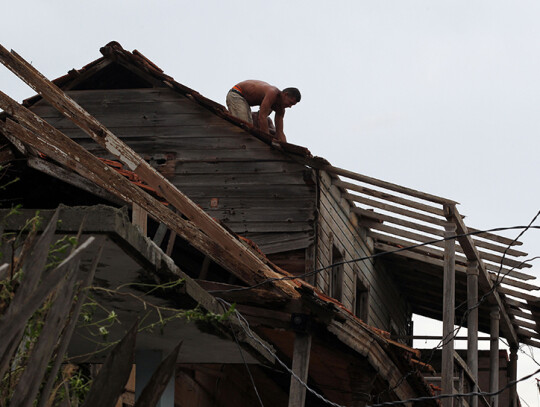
column 224, row 248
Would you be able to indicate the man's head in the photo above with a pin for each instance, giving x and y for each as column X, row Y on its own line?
column 290, row 97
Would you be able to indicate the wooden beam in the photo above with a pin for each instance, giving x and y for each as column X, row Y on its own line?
column 424, row 239
column 472, row 326
column 384, row 195
column 496, row 238
column 300, row 367
column 248, row 265
column 494, row 356
column 401, row 211
column 388, row 185
column 47, row 139
column 449, row 300
column 397, row 221
column 139, row 217
column 484, row 281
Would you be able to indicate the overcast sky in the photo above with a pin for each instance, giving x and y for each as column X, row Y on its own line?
column 440, row 96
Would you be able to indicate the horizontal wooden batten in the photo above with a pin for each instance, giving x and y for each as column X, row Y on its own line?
column 494, row 237
column 397, row 221
column 413, row 236
column 385, row 196
column 387, row 185
column 401, row 211
column 292, row 179
column 413, row 255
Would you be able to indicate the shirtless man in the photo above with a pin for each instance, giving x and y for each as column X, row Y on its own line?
column 269, row 98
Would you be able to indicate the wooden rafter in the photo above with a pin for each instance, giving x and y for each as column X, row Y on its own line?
column 226, row 249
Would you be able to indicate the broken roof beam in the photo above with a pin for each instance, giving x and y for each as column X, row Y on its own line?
column 246, row 263
column 56, row 145
column 484, row 281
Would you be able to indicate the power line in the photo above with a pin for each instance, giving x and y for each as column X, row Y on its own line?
column 373, row 256
column 497, row 283
column 244, row 324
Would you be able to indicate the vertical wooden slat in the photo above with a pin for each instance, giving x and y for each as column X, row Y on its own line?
column 494, row 356
column 472, row 325
column 513, row 377
column 300, row 366
column 139, row 218
column 447, row 370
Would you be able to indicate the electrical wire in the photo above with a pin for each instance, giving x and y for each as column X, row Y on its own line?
column 222, row 302
column 244, row 324
column 443, row 341
column 373, row 256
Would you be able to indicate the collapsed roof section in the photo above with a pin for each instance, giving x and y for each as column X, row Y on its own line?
column 34, row 137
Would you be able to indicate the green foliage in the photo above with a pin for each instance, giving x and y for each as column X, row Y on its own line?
column 72, row 382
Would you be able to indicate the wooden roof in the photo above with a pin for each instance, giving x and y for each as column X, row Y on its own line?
column 396, row 217
column 32, row 136
column 407, row 228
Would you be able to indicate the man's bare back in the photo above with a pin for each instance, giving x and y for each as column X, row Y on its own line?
column 269, row 98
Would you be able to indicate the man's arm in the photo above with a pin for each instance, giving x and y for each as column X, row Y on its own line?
column 279, row 126
column 266, row 108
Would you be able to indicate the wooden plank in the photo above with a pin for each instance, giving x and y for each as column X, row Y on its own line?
column 253, row 167
column 112, row 377
column 165, row 132
column 139, row 218
column 397, row 221
column 386, row 196
column 472, row 254
column 495, row 238
column 227, row 245
column 423, row 238
column 256, row 191
column 412, row 255
column 531, row 342
column 29, row 383
column 517, row 294
column 449, row 299
column 56, row 144
column 68, row 332
column 438, row 254
column 401, row 211
column 120, row 101
column 387, row 185
column 382, row 289
column 245, row 179
column 300, row 367
column 159, row 381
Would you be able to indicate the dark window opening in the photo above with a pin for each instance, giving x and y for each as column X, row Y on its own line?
column 336, row 274
column 361, row 306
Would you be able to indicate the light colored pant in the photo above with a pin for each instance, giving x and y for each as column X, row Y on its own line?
column 239, row 107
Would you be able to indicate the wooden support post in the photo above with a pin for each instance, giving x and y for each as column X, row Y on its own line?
column 449, row 289
column 472, row 326
column 513, row 377
column 494, row 356
column 146, row 363
column 139, row 218
column 160, row 234
column 300, row 367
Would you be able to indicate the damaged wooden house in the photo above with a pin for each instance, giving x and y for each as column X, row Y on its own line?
column 325, row 266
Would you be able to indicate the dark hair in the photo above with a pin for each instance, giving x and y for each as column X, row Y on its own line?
column 295, row 93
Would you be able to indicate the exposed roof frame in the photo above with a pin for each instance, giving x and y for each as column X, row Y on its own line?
column 223, row 247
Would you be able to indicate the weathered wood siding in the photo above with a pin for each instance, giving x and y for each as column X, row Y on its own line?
column 335, row 229
column 254, row 189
